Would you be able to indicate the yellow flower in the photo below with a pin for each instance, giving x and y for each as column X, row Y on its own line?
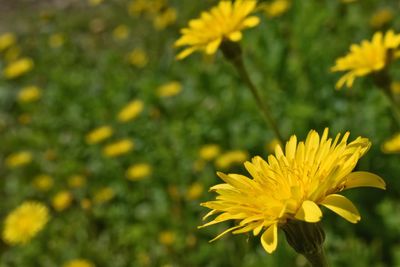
column 167, row 238
column 270, row 147
column 29, row 94
column 366, row 58
column 99, row 134
column 392, row 145
column 43, row 182
column 209, row 152
column 194, row 191
column 169, row 89
column 230, row 158
column 103, row 195
column 7, row 40
column 18, row 68
column 121, row 32
column 56, row 40
column 395, row 88
column 86, row 204
column 223, row 22
column 76, row 181
column 138, row 171
column 19, row 159
column 94, row 2
column 62, row 200
column 23, row 223
column 381, row 17
column 130, row 111
column 138, row 58
column 118, row 148
column 291, row 185
column 164, row 19
column 79, row 263
column 136, row 7
column 276, row 8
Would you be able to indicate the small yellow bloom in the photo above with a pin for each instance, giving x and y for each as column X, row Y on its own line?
column 19, row 159
column 130, row 111
column 79, row 263
column 118, row 148
column 56, row 40
column 366, row 58
column 270, row 147
column 209, row 152
column 17, row 68
column 43, row 182
column 276, row 8
column 29, row 94
column 86, row 204
column 169, row 89
column 62, row 200
column 23, row 223
column 136, row 7
column 76, row 181
column 194, row 191
column 381, row 17
column 164, row 19
column 103, row 195
column 395, row 88
column 121, row 32
column 392, row 145
column 227, row 159
column 167, row 238
column 24, row 118
column 138, row 58
column 138, row 171
column 7, row 40
column 222, row 22
column 99, row 134
column 94, row 2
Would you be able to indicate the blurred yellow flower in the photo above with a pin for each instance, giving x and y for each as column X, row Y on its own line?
column 136, row 7
column 121, row 32
column 56, row 40
column 23, row 223
column 209, row 152
column 130, row 111
column 167, row 238
column 7, row 40
column 276, row 8
column 138, row 171
column 94, row 2
column 291, row 185
column 79, row 263
column 164, row 19
column 86, row 204
column 29, row 94
column 366, row 58
column 395, row 87
column 118, row 148
column 169, row 89
column 194, row 191
column 19, row 159
column 18, row 67
column 229, row 158
column 270, row 147
column 392, row 145
column 43, row 182
column 138, row 58
column 24, row 118
column 103, row 195
column 62, row 200
column 99, row 134
column 381, row 17
column 76, row 181
column 221, row 23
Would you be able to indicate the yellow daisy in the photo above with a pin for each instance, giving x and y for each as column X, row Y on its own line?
column 368, row 57
column 291, row 185
column 222, row 22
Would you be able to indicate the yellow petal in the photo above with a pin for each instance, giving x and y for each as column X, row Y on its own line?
column 251, row 22
column 364, row 179
column 185, row 53
column 269, row 238
column 213, row 46
column 342, row 206
column 235, row 36
column 309, row 212
column 225, row 232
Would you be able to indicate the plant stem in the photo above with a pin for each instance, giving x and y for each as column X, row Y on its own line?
column 317, row 259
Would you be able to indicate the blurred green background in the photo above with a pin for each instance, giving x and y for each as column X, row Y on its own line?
column 92, row 58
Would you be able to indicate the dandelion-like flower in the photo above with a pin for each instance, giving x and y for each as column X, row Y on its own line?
column 222, row 22
column 291, row 185
column 22, row 224
column 368, row 57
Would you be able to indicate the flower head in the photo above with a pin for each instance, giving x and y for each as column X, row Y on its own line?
column 118, row 148
column 99, row 134
column 22, row 224
column 18, row 68
column 291, row 185
column 79, row 263
column 392, row 145
column 368, row 57
column 19, row 159
column 138, row 171
column 169, row 89
column 222, row 22
column 130, row 111
column 62, row 200
column 29, row 94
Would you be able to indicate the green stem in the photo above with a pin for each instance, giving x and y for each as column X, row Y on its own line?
column 317, row 259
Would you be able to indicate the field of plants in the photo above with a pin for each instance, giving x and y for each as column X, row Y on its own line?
column 112, row 132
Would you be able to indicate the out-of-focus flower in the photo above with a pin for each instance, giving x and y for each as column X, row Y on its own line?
column 209, row 152
column 19, row 159
column 118, row 148
column 86, row 204
column 23, row 223
column 62, row 200
column 76, row 181
column 291, row 185
column 99, row 134
column 94, row 2
column 24, row 118
column 138, row 58
column 221, row 23
column 276, row 8
column 194, row 191
column 29, row 94
column 392, row 145
column 270, row 147
column 165, row 18
column 169, row 89
column 381, row 17
column 79, row 262
column 136, row 7
column 7, row 40
column 17, row 68
column 366, row 58
column 103, row 195
column 130, row 111
column 395, row 88
column 43, row 182
column 121, row 32
column 56, row 40
column 167, row 238
column 229, row 158
column 138, row 171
